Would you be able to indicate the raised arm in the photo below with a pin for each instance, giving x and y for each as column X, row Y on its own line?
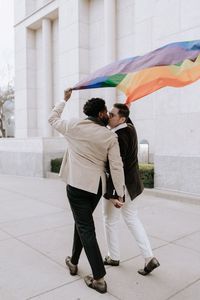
column 55, row 116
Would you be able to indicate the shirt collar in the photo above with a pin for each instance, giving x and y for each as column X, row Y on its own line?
column 120, row 126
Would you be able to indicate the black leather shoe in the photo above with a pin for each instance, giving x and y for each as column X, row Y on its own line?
column 100, row 287
column 72, row 268
column 109, row 261
column 153, row 264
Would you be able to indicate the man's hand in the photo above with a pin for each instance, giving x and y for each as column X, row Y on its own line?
column 121, row 199
column 67, row 94
column 128, row 105
column 117, row 203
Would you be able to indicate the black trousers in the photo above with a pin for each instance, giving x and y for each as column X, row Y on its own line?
column 83, row 204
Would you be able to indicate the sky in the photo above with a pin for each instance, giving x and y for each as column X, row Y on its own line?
column 6, row 41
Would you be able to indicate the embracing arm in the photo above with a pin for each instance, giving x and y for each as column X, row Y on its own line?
column 116, row 168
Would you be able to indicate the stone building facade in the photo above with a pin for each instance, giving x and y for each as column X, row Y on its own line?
column 58, row 42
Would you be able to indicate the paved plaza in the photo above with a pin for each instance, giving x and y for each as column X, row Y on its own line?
column 36, row 229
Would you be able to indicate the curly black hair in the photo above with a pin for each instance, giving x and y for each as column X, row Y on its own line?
column 93, row 106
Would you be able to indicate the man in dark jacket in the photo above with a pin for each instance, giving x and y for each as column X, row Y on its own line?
column 128, row 143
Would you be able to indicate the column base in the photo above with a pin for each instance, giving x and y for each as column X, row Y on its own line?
column 177, row 173
column 29, row 156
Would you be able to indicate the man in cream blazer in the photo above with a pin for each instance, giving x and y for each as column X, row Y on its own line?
column 90, row 144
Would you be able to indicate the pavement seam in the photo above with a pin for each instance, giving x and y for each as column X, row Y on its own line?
column 155, row 248
column 32, row 198
column 180, row 238
column 34, row 232
column 43, row 254
column 36, row 250
column 158, row 238
column 60, row 286
column 136, row 256
column 65, row 284
column 48, row 291
column 32, row 217
column 188, row 248
column 186, row 235
column 112, row 296
column 172, row 241
column 187, row 286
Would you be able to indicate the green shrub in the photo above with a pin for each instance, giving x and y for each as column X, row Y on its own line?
column 147, row 175
column 55, row 165
column 146, row 172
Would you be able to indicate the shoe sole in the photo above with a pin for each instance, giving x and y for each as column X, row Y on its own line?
column 72, row 272
column 144, row 273
column 92, row 286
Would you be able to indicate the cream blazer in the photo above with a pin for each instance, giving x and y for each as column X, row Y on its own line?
column 89, row 145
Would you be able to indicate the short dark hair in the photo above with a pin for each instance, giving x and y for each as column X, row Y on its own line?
column 93, row 106
column 123, row 110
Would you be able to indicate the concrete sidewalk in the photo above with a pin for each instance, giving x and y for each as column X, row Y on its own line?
column 36, row 229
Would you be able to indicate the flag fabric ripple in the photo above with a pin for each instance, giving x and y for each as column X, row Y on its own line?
column 176, row 64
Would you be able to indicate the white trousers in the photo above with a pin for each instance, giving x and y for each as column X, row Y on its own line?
column 131, row 218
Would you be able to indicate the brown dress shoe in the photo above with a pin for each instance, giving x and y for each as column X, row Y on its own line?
column 153, row 264
column 72, row 268
column 100, row 287
column 110, row 262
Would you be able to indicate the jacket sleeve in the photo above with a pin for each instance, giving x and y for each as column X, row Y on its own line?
column 55, row 118
column 123, row 147
column 116, row 167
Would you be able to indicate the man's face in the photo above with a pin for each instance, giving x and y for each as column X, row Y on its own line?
column 103, row 115
column 114, row 118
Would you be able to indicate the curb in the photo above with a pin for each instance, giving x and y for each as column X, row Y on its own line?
column 173, row 195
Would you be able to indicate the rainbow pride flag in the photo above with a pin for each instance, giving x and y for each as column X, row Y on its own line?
column 176, row 65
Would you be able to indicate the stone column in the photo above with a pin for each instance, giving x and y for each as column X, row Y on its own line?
column 47, row 75
column 110, row 42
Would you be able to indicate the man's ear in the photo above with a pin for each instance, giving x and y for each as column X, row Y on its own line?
column 100, row 114
column 122, row 120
